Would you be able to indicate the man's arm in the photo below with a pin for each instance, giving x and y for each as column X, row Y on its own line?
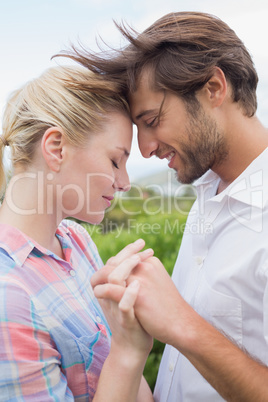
column 232, row 372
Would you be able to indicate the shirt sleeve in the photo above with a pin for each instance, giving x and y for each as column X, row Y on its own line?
column 30, row 363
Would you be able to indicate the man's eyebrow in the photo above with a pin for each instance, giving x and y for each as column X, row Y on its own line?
column 149, row 111
column 145, row 112
column 125, row 151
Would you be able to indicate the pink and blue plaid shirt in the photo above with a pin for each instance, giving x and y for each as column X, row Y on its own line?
column 54, row 337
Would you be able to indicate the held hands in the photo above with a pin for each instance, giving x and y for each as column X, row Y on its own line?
column 138, row 285
column 118, row 300
column 159, row 307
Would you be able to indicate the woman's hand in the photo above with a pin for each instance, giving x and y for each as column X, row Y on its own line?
column 129, row 339
column 158, row 300
column 127, row 332
column 131, row 344
column 123, row 262
column 122, row 371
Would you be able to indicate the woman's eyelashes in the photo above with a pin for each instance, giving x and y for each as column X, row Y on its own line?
column 120, row 158
column 115, row 164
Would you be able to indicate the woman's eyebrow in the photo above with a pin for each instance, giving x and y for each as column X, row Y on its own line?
column 125, row 151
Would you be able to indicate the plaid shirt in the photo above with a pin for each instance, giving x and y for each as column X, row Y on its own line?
column 53, row 339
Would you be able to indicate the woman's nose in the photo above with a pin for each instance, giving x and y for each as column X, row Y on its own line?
column 122, row 182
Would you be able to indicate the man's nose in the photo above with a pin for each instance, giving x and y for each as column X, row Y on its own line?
column 147, row 143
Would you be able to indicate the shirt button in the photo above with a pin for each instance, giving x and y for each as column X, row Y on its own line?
column 72, row 272
column 199, row 260
column 171, row 367
column 98, row 318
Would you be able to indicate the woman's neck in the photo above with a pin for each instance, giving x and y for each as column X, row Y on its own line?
column 25, row 207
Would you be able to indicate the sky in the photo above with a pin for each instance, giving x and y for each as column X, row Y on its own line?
column 31, row 31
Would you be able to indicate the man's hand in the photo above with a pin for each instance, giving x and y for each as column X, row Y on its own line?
column 159, row 307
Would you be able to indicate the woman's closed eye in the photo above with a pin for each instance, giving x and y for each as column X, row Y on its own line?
column 115, row 164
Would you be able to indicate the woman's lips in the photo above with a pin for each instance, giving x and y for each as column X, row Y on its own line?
column 108, row 199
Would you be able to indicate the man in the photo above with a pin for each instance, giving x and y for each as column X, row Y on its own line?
column 191, row 87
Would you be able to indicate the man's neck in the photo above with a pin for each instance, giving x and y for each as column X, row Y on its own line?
column 245, row 145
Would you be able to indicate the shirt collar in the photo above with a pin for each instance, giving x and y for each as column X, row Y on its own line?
column 250, row 187
column 19, row 246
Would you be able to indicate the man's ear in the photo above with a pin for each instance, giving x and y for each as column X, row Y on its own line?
column 216, row 88
column 52, row 144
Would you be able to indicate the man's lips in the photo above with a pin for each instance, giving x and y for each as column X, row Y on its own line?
column 169, row 156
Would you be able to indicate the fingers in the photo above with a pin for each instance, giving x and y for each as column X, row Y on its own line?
column 120, row 273
column 148, row 253
column 101, row 276
column 110, row 292
column 129, row 297
column 125, row 298
column 123, row 263
column 126, row 252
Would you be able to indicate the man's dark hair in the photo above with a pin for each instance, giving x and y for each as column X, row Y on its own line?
column 182, row 50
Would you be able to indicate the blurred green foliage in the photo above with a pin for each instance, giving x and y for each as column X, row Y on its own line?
column 160, row 221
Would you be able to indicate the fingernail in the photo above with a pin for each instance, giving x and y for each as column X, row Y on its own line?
column 148, row 251
column 139, row 242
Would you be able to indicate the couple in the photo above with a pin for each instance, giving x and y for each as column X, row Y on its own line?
column 189, row 85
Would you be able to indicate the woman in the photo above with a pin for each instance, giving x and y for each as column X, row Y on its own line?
column 69, row 134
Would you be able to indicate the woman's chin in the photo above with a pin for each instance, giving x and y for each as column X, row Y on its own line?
column 95, row 219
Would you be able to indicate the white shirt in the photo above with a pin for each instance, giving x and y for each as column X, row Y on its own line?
column 222, row 271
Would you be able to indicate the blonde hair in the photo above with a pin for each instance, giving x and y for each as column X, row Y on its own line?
column 73, row 98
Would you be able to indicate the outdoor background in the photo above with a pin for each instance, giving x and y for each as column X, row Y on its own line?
column 31, row 31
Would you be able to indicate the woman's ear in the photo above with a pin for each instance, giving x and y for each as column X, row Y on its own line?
column 216, row 88
column 52, row 145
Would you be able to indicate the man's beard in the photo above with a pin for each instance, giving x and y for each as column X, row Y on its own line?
column 206, row 146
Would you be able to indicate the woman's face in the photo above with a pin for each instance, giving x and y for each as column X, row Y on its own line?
column 94, row 173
